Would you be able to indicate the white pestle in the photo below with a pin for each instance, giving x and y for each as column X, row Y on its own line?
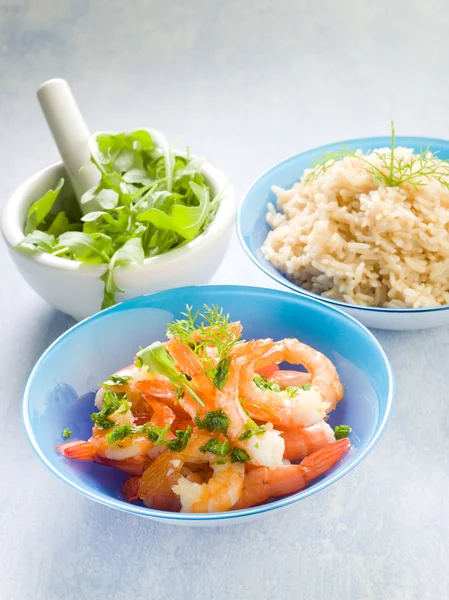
column 71, row 135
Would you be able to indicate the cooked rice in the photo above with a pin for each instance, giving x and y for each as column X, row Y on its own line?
column 345, row 236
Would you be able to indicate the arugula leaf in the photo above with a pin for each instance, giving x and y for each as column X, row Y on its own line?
column 216, row 446
column 184, row 220
column 341, row 431
column 136, row 175
column 130, row 252
column 61, row 224
column 40, row 209
column 215, row 420
column 81, row 246
column 38, row 241
column 158, row 360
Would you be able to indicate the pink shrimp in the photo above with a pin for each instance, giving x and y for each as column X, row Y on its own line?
column 99, row 450
column 302, row 441
column 293, row 407
column 130, row 387
column 261, row 484
column 188, row 363
column 266, row 449
column 80, row 450
column 287, row 378
column 157, row 481
column 130, row 488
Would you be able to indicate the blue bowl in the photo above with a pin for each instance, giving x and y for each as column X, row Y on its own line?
column 253, row 229
column 60, row 389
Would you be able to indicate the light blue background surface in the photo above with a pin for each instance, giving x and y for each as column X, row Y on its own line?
column 246, row 83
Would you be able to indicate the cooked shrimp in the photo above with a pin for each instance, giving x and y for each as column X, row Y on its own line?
column 216, row 424
column 155, row 489
column 188, row 363
column 291, row 408
column 265, row 449
column 80, row 450
column 130, row 488
column 220, row 493
column 302, row 441
column 160, row 387
column 132, row 446
column 157, row 481
column 133, row 394
column 268, row 371
column 324, row 377
column 261, row 484
column 286, row 378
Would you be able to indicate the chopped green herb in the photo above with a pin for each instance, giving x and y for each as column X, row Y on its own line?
column 66, row 434
column 101, row 421
column 251, row 428
column 216, row 446
column 117, row 380
column 292, row 390
column 341, row 431
column 219, row 462
column 256, row 445
column 221, row 373
column 264, row 384
column 215, row 420
column 158, row 360
column 120, row 433
column 157, row 434
column 239, row 455
column 112, row 402
column 306, row 386
column 181, row 441
column 179, row 393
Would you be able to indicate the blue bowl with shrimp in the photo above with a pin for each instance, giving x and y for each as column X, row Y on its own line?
column 60, row 391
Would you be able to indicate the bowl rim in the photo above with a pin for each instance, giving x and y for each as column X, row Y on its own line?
column 278, row 275
column 279, row 295
column 13, row 232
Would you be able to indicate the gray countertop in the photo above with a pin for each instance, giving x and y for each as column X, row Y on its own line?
column 246, row 83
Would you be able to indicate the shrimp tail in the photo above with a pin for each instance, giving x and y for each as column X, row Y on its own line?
column 78, row 450
column 261, row 484
column 320, row 461
column 133, row 466
column 130, row 488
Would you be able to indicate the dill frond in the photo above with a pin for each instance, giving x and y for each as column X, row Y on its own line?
column 203, row 330
column 393, row 170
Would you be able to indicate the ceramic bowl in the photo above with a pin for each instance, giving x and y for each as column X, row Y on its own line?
column 253, row 230
column 75, row 288
column 61, row 388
